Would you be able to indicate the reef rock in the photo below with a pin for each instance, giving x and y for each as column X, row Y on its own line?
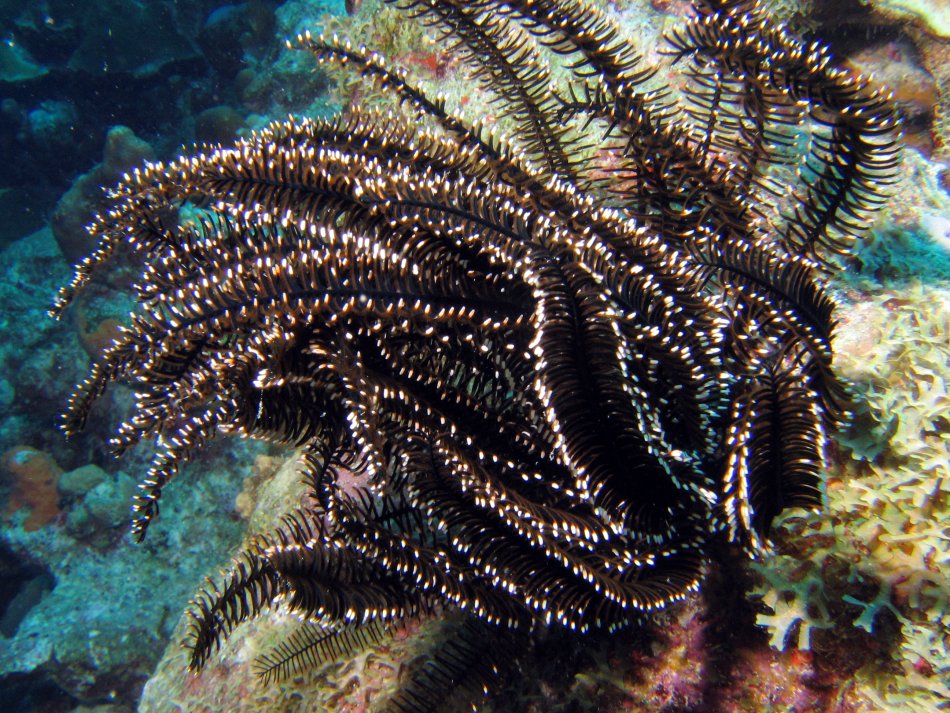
column 123, row 151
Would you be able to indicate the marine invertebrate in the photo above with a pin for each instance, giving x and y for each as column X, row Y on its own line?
column 33, row 475
column 887, row 502
column 558, row 389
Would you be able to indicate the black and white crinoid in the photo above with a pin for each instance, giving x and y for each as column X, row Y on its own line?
column 563, row 364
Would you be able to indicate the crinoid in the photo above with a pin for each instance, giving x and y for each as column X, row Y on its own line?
column 563, row 364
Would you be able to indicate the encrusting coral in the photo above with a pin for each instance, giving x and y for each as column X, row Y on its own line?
column 32, row 476
column 564, row 367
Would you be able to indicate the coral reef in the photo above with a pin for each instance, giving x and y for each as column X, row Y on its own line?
column 104, row 613
column 123, row 150
column 888, row 502
column 804, row 592
column 852, row 599
column 33, row 476
column 906, row 54
column 96, row 339
column 933, row 15
column 828, row 589
column 347, row 684
column 81, row 620
column 870, row 575
column 98, row 515
column 896, row 64
column 287, row 83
